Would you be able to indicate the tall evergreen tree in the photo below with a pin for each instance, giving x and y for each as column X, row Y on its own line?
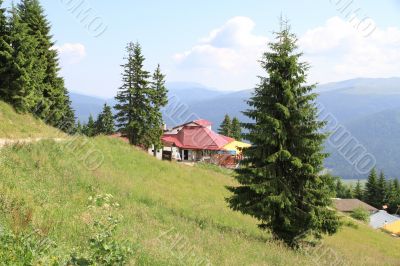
column 226, row 126
column 159, row 99
column 54, row 106
column 371, row 195
column 358, row 192
column 134, row 98
column 79, row 128
column 382, row 190
column 343, row 191
column 22, row 80
column 89, row 129
column 236, row 129
column 6, row 52
column 394, row 197
column 280, row 181
column 105, row 121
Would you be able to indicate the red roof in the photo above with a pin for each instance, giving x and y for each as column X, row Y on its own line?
column 197, row 138
column 203, row 122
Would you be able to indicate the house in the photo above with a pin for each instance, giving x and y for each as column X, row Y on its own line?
column 196, row 141
column 393, row 227
column 381, row 219
column 349, row 205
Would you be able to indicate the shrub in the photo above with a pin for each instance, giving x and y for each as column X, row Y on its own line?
column 360, row 214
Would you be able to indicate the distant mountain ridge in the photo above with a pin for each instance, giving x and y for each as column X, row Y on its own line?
column 368, row 108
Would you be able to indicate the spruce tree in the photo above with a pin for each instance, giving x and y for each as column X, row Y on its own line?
column 358, row 192
column 226, row 126
column 105, row 122
column 236, row 129
column 78, row 128
column 21, row 85
column 371, row 190
column 6, row 52
column 54, row 105
column 280, row 181
column 394, row 196
column 134, row 98
column 382, row 190
column 90, row 128
column 159, row 99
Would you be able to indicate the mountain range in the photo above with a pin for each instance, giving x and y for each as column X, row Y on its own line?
column 368, row 109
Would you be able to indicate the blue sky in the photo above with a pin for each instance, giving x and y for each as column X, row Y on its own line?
column 217, row 43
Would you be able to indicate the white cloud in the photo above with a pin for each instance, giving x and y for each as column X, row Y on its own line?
column 228, row 57
column 71, row 53
column 338, row 51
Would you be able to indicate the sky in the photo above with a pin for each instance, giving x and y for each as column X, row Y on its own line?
column 218, row 43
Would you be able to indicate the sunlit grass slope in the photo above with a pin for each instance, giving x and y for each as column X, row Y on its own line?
column 46, row 185
column 17, row 126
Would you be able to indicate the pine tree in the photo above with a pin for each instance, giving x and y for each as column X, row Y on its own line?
column 226, row 126
column 394, row 197
column 358, row 192
column 78, row 128
column 54, row 105
column 90, row 128
column 134, row 98
column 343, row 191
column 280, row 184
column 6, row 52
column 236, row 129
column 371, row 190
column 22, row 81
column 159, row 99
column 382, row 190
column 105, row 122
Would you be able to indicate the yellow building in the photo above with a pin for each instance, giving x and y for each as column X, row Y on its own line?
column 393, row 227
column 236, row 146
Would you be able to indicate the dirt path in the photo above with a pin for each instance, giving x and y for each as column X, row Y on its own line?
column 6, row 142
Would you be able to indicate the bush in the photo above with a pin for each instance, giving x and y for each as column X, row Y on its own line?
column 360, row 214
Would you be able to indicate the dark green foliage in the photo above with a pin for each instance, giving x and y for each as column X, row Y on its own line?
column 280, row 184
column 382, row 190
column 29, row 67
column 78, row 128
column 371, row 194
column 90, row 128
column 140, row 100
column 6, row 52
column 23, row 72
column 226, row 126
column 54, row 106
column 105, row 122
column 159, row 99
column 360, row 214
column 358, row 191
column 343, row 191
column 394, row 196
column 236, row 129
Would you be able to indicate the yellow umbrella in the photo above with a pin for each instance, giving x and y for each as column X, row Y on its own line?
column 236, row 146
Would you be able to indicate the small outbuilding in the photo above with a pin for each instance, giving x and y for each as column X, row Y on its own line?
column 349, row 205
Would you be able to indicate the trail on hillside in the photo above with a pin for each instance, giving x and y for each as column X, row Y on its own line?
column 7, row 142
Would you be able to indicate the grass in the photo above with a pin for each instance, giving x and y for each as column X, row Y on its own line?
column 46, row 185
column 18, row 126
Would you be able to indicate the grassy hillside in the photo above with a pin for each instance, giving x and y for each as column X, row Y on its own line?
column 16, row 126
column 166, row 210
